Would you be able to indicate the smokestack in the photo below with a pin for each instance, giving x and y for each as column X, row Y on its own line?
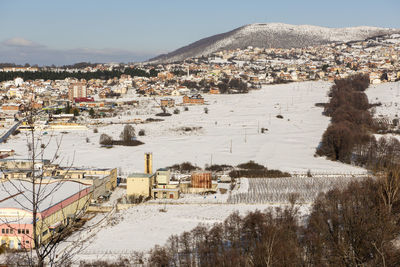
column 148, row 163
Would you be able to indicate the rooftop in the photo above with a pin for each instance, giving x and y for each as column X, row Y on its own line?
column 17, row 194
column 140, row 175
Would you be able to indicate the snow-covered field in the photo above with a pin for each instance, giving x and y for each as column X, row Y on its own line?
column 389, row 95
column 288, row 144
column 142, row 227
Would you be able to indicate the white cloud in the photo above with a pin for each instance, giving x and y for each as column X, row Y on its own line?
column 20, row 42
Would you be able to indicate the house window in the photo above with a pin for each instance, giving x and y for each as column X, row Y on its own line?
column 27, row 231
column 11, row 231
column 19, row 231
column 3, row 231
column 27, row 242
column 7, row 231
column 23, row 231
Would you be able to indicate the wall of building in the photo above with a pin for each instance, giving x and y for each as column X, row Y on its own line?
column 55, row 215
column 16, row 235
column 163, row 177
column 164, row 194
column 138, row 186
column 70, row 208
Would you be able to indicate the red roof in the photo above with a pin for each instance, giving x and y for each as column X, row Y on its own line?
column 83, row 99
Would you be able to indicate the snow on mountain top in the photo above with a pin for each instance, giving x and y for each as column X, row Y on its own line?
column 273, row 35
column 331, row 34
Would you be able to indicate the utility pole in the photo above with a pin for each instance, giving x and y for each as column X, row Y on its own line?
column 231, row 147
column 245, row 135
column 211, row 161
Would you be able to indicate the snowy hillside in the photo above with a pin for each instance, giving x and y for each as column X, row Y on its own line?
column 275, row 35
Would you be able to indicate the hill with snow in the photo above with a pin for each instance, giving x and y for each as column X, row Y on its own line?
column 272, row 35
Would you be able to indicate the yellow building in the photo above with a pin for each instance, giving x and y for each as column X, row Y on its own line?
column 139, row 184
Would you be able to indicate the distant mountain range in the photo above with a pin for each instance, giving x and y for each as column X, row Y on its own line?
column 271, row 35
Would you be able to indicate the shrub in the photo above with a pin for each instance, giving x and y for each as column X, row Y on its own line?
column 184, row 167
column 218, row 168
column 91, row 112
column 223, row 190
column 257, row 173
column 105, row 140
column 177, row 111
column 95, row 130
column 142, row 132
column 251, row 165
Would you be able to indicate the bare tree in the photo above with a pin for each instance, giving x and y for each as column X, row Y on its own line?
column 389, row 189
column 128, row 133
column 105, row 140
column 42, row 219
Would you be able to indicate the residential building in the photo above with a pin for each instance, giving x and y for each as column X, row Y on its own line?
column 77, row 90
column 194, row 99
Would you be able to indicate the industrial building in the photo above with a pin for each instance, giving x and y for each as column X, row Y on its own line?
column 155, row 185
column 159, row 186
column 67, row 202
column 139, row 184
column 102, row 180
column 201, row 179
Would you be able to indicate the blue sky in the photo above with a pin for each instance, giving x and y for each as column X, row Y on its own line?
column 63, row 32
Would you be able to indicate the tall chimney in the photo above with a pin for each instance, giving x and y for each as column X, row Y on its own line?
column 148, row 163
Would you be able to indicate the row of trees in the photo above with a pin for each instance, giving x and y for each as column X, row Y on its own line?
column 350, row 137
column 352, row 227
column 225, row 85
column 61, row 75
column 351, row 122
column 252, row 169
